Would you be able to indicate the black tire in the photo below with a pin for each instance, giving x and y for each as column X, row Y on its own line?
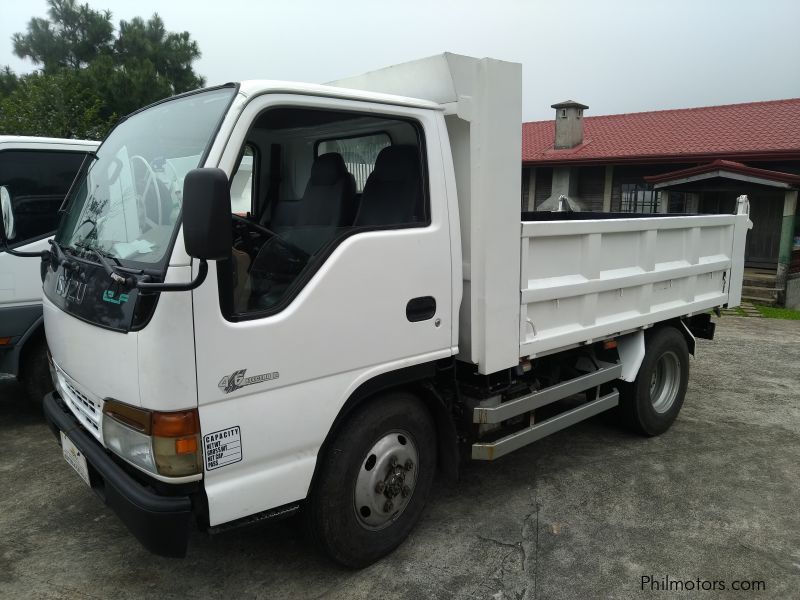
column 34, row 372
column 642, row 406
column 331, row 508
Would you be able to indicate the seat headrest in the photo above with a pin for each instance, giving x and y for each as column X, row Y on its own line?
column 396, row 163
column 327, row 169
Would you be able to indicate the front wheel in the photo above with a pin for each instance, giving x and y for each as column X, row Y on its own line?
column 374, row 480
column 651, row 403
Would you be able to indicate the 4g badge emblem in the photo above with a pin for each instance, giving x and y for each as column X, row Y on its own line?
column 236, row 380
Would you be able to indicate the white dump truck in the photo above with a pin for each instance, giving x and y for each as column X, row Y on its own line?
column 35, row 175
column 380, row 310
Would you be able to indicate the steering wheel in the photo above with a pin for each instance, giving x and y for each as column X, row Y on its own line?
column 151, row 180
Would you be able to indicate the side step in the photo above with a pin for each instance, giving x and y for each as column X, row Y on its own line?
column 512, row 408
column 496, row 414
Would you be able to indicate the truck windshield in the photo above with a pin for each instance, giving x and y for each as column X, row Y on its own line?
column 127, row 204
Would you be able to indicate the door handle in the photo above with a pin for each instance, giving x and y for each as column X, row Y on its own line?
column 421, row 309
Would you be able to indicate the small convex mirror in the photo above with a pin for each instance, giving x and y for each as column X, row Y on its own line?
column 7, row 211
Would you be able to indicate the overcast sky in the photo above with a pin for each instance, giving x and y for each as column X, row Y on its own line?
column 614, row 55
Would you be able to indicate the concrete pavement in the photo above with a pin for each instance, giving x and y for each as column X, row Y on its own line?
column 586, row 513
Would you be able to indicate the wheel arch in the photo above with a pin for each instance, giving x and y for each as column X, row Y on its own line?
column 417, row 380
column 14, row 361
column 683, row 328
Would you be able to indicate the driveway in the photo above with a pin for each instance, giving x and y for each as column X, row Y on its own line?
column 586, row 513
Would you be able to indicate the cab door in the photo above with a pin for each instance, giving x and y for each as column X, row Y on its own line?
column 375, row 298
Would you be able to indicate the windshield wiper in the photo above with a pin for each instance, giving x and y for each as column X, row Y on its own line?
column 61, row 258
column 108, row 267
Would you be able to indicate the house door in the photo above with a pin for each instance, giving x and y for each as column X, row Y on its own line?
column 763, row 241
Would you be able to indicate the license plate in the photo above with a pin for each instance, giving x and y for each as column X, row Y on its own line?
column 75, row 458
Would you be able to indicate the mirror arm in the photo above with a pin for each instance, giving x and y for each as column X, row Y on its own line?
column 176, row 287
column 43, row 254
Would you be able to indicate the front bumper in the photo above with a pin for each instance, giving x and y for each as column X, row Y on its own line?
column 160, row 523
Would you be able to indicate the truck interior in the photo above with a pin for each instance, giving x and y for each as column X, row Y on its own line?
column 306, row 180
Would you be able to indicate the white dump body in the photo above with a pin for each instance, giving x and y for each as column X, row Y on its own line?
column 582, row 280
column 570, row 281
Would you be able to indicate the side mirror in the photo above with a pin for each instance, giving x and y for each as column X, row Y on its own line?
column 7, row 229
column 206, row 213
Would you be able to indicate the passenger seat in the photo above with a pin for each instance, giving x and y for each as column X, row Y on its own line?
column 393, row 191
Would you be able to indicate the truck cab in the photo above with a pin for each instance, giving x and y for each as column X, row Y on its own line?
column 273, row 297
column 35, row 175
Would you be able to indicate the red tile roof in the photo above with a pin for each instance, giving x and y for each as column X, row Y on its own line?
column 744, row 131
column 726, row 166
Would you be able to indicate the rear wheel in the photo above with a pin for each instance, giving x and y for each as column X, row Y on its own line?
column 651, row 403
column 374, row 480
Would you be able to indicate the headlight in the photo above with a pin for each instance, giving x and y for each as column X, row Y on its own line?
column 166, row 443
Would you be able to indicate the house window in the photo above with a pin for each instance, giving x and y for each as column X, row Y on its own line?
column 639, row 198
column 678, row 201
column 563, row 113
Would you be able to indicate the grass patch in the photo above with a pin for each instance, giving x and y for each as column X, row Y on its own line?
column 736, row 311
column 778, row 313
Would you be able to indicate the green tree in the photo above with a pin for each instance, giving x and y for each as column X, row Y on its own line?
column 8, row 81
column 73, row 36
column 53, row 105
column 90, row 74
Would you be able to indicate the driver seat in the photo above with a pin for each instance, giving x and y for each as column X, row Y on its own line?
column 327, row 200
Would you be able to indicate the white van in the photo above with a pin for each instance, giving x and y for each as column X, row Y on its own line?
column 35, row 175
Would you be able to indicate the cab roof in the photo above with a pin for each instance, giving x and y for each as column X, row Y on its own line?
column 256, row 87
column 30, row 141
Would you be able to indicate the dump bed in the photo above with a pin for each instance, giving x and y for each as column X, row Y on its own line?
column 590, row 276
column 571, row 277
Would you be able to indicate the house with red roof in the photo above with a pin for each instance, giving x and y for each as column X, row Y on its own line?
column 696, row 160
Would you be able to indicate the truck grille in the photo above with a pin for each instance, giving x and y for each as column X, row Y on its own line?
column 88, row 410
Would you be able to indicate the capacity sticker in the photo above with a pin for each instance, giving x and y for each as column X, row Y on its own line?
column 222, row 448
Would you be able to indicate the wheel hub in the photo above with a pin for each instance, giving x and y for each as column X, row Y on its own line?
column 665, row 382
column 386, row 480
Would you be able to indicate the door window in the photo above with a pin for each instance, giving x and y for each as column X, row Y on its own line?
column 36, row 183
